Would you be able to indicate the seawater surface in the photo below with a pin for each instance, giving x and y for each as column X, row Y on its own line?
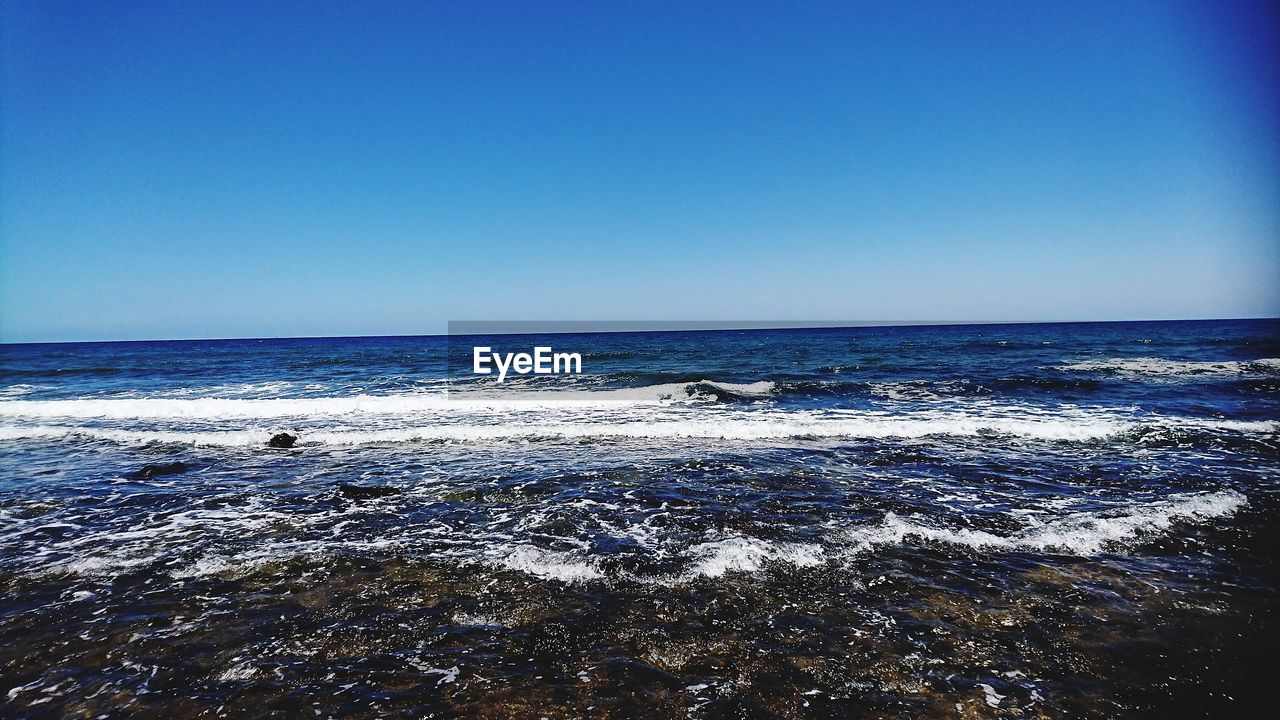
column 1075, row 520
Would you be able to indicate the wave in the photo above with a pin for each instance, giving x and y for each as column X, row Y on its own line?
column 750, row 555
column 1162, row 367
column 218, row 408
column 1240, row 436
column 778, row 426
column 1083, row 534
column 245, row 535
column 19, row 390
column 208, row 408
column 732, row 391
column 549, row 564
column 1086, row 533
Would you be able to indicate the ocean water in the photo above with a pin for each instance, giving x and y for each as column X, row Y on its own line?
column 1072, row 520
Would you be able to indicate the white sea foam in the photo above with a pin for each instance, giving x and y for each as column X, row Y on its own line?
column 267, row 389
column 469, row 619
column 103, row 563
column 549, row 564
column 713, row 429
column 741, row 427
column 114, row 550
column 13, row 391
column 1242, row 426
column 233, row 541
column 756, row 389
column 218, row 408
column 910, row 390
column 241, row 671
column 1153, row 366
column 749, row 555
column 1077, row 533
column 448, row 675
column 238, row 408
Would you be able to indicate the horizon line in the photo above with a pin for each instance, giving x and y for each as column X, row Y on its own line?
column 710, row 326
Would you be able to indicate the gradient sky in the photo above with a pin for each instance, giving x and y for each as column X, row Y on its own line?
column 218, row 169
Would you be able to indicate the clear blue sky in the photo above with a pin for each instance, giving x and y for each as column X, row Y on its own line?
column 221, row 169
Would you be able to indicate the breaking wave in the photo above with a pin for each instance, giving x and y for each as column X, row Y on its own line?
column 219, row 537
column 774, row 426
column 1162, row 367
column 213, row 408
column 1085, row 533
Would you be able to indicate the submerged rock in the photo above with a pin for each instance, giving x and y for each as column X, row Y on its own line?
column 282, row 440
column 367, row 492
column 148, row 471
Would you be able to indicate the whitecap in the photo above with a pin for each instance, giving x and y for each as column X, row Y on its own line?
column 1083, row 533
column 750, row 555
column 549, row 564
column 1164, row 367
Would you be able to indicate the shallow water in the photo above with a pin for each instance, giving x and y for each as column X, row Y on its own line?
column 1043, row 520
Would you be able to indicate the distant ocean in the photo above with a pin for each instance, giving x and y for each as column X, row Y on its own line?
column 1059, row 520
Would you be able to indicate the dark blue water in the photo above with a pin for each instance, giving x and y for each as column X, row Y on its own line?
column 1073, row 520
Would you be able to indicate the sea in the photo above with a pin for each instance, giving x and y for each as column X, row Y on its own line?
column 1022, row 520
